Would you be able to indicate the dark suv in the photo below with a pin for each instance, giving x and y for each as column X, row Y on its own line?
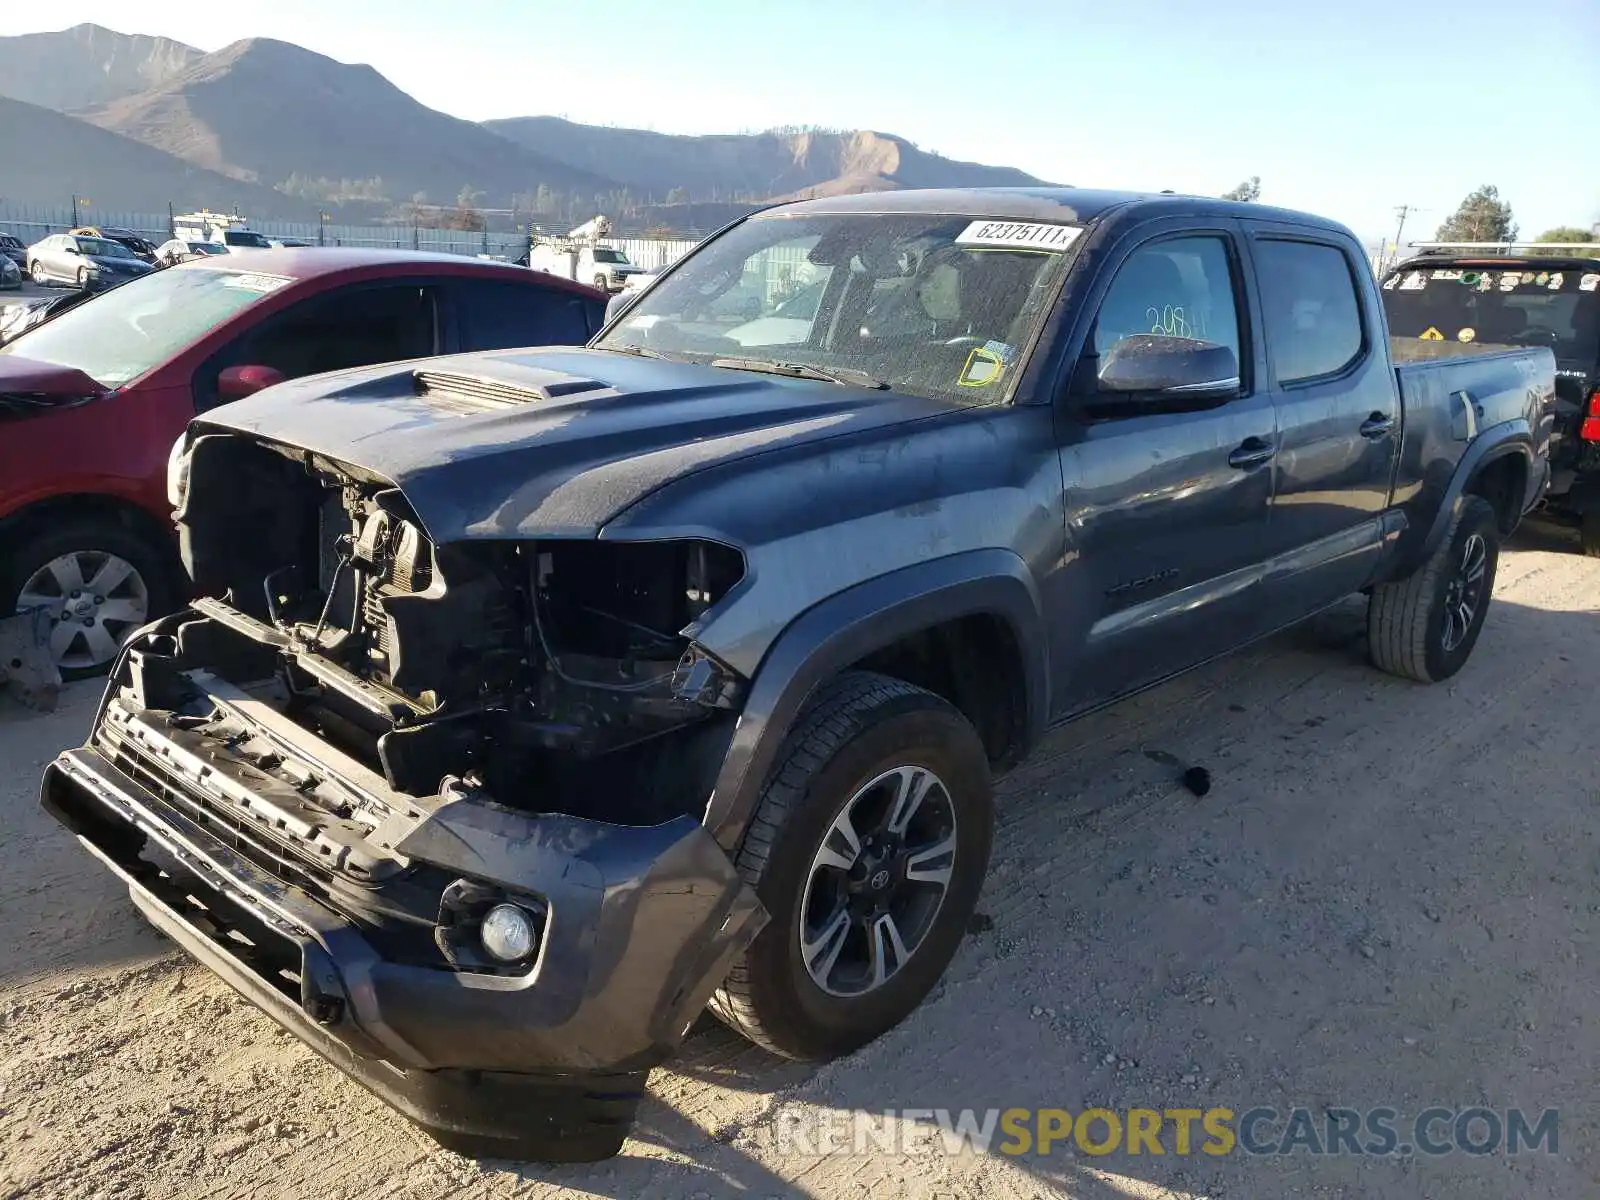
column 1522, row 301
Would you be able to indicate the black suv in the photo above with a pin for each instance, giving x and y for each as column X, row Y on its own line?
column 1467, row 296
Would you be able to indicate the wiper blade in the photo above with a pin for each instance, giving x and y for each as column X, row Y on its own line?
column 844, row 376
column 640, row 351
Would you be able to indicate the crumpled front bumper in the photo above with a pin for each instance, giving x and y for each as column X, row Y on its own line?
column 642, row 925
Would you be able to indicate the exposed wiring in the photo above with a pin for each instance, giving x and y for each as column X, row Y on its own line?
column 555, row 663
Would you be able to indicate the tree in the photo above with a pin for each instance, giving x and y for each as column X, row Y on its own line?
column 1566, row 235
column 1249, row 190
column 1563, row 235
column 1482, row 217
column 678, row 195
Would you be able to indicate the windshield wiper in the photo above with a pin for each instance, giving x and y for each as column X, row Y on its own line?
column 641, row 351
column 844, row 376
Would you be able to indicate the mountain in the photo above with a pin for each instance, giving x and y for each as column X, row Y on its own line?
column 46, row 156
column 86, row 65
column 263, row 111
column 779, row 163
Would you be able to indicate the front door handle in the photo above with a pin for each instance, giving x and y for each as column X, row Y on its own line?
column 1378, row 425
column 1252, row 452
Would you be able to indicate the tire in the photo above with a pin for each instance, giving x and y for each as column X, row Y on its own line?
column 36, row 272
column 83, row 278
column 1589, row 533
column 602, row 283
column 861, row 727
column 151, row 591
column 1416, row 628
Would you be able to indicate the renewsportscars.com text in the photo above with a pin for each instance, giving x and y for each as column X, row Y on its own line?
column 1377, row 1132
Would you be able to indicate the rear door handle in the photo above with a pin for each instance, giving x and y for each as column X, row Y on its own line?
column 1378, row 425
column 1252, row 452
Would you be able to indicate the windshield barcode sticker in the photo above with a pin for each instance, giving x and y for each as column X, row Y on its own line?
column 1026, row 234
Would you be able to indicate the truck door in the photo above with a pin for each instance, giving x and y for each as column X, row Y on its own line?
column 1338, row 416
column 1166, row 498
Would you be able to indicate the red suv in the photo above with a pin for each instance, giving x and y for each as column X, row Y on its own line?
column 92, row 401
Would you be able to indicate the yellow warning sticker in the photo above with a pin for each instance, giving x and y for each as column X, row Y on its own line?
column 1430, row 334
column 1467, row 334
column 983, row 367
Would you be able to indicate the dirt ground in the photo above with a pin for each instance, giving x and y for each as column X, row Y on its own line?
column 1389, row 897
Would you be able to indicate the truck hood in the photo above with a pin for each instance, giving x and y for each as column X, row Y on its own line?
column 551, row 443
column 29, row 387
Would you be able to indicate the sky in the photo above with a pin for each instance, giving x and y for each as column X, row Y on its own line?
column 1349, row 109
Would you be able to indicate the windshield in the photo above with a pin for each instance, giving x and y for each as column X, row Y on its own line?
column 1525, row 306
column 604, row 254
column 929, row 304
column 101, row 248
column 206, row 248
column 243, row 237
column 121, row 334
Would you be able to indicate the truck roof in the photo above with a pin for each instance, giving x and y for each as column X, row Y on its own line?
column 316, row 262
column 1078, row 205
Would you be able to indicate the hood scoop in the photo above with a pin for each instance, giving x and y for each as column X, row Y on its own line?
column 468, row 394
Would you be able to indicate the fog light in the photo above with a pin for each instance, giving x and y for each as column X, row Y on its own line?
column 507, row 932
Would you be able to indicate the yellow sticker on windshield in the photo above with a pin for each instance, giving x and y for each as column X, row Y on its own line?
column 1430, row 334
column 983, row 367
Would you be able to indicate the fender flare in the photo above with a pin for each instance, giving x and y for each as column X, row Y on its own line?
column 1513, row 437
column 838, row 631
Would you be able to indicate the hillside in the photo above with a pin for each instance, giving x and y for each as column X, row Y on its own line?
column 264, row 110
column 760, row 166
column 45, row 156
column 86, row 65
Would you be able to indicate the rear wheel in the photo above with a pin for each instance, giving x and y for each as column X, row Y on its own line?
column 98, row 582
column 868, row 849
column 1424, row 627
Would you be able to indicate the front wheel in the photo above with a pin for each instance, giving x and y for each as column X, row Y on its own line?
column 1424, row 627
column 83, row 278
column 868, row 849
column 602, row 283
column 36, row 272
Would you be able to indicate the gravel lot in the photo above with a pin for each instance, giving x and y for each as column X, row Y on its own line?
column 1389, row 897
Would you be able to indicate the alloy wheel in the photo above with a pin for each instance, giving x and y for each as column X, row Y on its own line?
column 877, row 882
column 1463, row 595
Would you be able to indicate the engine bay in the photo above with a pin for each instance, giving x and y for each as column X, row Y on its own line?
column 554, row 674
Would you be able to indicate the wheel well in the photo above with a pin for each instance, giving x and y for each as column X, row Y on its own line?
column 1503, row 483
column 84, row 507
column 975, row 663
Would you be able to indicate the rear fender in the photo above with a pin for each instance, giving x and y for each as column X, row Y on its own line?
column 1512, row 437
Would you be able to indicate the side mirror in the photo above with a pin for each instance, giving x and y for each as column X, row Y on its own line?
column 235, row 383
column 71, row 248
column 619, row 304
column 1154, row 366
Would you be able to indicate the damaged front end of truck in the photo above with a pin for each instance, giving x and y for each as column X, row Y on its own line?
column 437, row 808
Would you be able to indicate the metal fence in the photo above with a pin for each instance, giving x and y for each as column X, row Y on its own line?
column 33, row 222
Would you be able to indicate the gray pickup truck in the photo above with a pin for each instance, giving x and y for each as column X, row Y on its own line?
column 538, row 700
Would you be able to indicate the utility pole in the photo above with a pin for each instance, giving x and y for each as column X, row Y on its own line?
column 74, row 210
column 172, row 222
column 322, row 228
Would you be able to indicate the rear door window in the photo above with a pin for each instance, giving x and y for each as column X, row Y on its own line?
column 500, row 314
column 1311, row 314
